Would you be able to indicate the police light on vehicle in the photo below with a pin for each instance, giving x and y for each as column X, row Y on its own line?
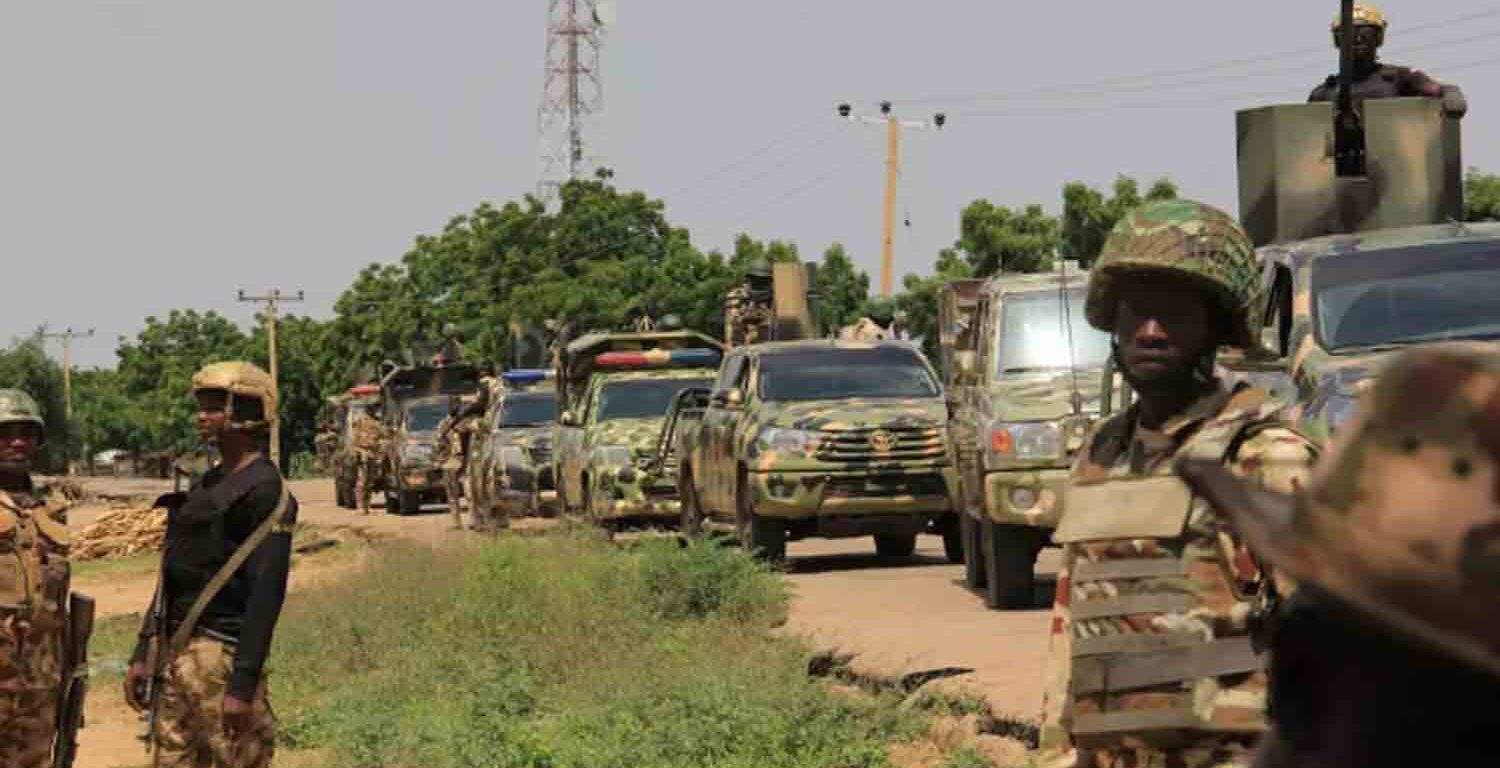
column 658, row 357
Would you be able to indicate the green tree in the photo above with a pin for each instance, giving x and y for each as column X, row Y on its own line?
column 1088, row 215
column 918, row 300
column 1481, row 196
column 156, row 370
column 25, row 366
column 994, row 238
column 842, row 288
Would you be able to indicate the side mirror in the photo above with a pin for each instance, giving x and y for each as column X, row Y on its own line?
column 568, row 419
column 728, row 398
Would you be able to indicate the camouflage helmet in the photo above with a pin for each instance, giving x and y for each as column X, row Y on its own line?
column 759, row 268
column 1185, row 238
column 17, row 407
column 1365, row 15
column 669, row 322
column 1401, row 519
column 239, row 379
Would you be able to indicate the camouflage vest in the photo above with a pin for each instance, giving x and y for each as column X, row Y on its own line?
column 1159, row 596
column 34, row 585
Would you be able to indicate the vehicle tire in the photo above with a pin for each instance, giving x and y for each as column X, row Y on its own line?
column 1009, row 563
column 895, row 544
column 391, row 505
column 690, row 520
column 953, row 541
column 409, row 502
column 764, row 537
column 969, row 532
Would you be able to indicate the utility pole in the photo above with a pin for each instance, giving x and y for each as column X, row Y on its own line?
column 67, row 337
column 893, row 127
column 273, row 300
column 572, row 90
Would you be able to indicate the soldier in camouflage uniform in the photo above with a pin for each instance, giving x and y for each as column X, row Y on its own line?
column 369, row 450
column 1150, row 662
column 33, row 591
column 1389, row 652
column 451, row 455
column 1374, row 80
column 747, row 315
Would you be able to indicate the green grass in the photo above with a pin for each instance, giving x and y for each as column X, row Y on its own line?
column 564, row 651
column 130, row 565
column 111, row 645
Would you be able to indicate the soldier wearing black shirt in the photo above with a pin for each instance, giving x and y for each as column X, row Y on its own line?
column 1374, row 80
column 210, row 706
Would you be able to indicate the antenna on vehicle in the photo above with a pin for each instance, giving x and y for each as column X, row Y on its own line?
column 1067, row 322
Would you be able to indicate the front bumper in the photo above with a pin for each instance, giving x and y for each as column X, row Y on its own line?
column 1030, row 497
column 635, row 495
column 793, row 495
column 424, row 479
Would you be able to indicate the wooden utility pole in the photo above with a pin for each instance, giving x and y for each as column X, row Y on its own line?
column 273, row 300
column 893, row 126
column 67, row 337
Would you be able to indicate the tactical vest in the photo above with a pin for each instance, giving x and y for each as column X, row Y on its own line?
column 1160, row 654
column 34, row 585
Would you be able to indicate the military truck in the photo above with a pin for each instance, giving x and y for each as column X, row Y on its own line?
column 1023, row 370
column 511, row 462
column 357, row 400
column 414, row 401
column 821, row 438
column 615, row 390
column 1355, row 212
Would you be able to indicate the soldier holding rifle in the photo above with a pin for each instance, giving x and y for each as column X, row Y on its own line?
column 198, row 668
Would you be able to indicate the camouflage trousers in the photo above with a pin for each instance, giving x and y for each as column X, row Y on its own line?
column 190, row 726
column 364, row 469
column 453, row 488
column 28, row 724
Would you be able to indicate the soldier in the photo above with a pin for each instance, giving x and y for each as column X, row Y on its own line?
column 198, row 667
column 747, row 306
column 369, row 451
column 878, row 323
column 1151, row 663
column 1373, row 80
column 33, row 600
column 452, row 455
column 1389, row 652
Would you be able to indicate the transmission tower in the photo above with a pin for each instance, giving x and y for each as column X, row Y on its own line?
column 572, row 91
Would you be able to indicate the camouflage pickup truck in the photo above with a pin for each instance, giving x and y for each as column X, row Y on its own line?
column 819, row 438
column 510, row 468
column 414, row 401
column 615, row 390
column 1024, row 374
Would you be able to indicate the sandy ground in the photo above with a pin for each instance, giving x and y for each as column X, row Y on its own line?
column 895, row 617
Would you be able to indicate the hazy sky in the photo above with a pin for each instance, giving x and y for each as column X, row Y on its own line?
column 161, row 154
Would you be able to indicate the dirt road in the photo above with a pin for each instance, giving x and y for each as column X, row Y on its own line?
column 895, row 616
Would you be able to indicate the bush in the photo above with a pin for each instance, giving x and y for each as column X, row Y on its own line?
column 565, row 651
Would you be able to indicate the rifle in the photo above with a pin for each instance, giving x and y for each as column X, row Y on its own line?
column 75, row 679
column 156, row 624
column 1348, row 125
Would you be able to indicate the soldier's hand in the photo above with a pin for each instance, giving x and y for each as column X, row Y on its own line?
column 135, row 685
column 236, row 716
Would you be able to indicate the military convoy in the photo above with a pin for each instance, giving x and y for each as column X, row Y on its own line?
column 345, row 410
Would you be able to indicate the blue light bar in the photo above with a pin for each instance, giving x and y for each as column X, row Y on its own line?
column 527, row 375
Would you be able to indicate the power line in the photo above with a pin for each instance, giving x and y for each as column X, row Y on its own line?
column 748, row 158
column 785, row 161
column 1177, row 72
column 805, row 186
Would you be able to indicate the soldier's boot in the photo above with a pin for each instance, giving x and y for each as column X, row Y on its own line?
column 362, row 488
column 455, row 503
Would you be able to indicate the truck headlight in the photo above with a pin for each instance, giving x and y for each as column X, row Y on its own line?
column 1025, row 441
column 797, row 442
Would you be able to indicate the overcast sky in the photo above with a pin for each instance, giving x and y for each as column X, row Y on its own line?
column 161, row 154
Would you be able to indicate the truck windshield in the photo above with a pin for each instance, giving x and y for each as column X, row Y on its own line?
column 528, row 410
column 1034, row 333
column 425, row 417
column 831, row 373
column 642, row 398
column 1407, row 295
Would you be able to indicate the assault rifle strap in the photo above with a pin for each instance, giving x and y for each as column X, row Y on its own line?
column 184, row 631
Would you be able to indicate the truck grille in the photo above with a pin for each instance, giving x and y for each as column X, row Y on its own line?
column 884, row 486
column 541, row 454
column 882, row 444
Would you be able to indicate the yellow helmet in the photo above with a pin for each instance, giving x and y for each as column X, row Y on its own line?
column 239, row 379
column 1364, row 16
